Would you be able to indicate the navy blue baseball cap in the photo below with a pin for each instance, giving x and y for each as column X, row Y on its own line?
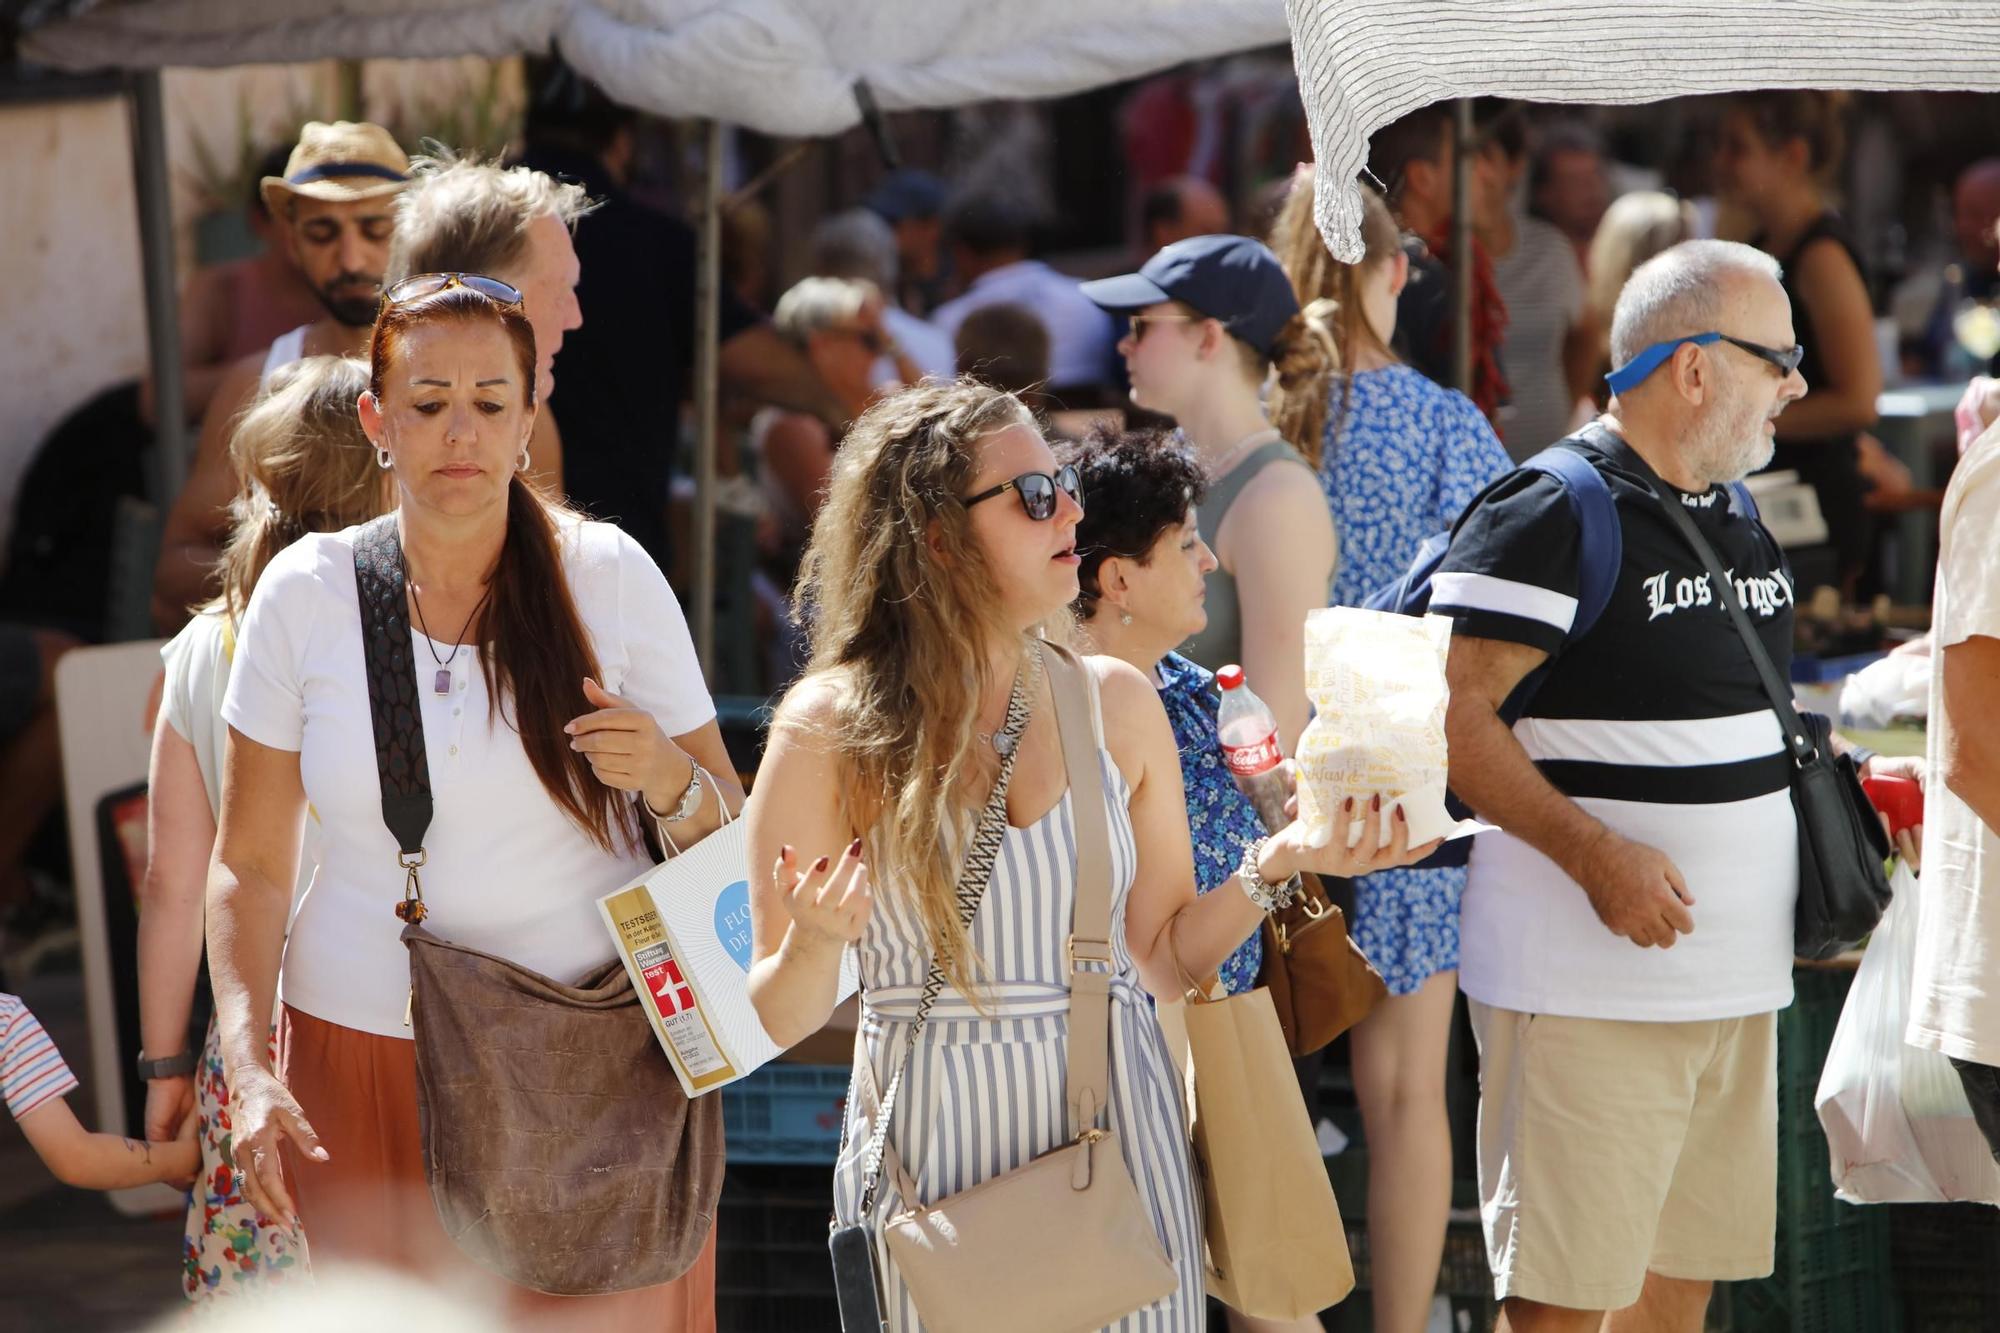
column 1232, row 279
column 906, row 193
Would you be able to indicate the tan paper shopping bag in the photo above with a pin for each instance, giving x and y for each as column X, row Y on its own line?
column 1276, row 1246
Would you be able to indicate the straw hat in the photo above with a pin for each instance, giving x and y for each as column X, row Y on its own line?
column 342, row 161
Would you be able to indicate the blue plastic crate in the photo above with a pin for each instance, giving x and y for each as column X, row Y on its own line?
column 1810, row 670
column 786, row 1113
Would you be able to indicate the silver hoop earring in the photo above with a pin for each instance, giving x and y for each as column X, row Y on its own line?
column 523, row 463
column 382, row 459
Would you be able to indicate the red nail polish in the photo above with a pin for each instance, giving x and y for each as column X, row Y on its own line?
column 854, row 848
column 1400, row 817
column 820, row 865
column 1375, row 803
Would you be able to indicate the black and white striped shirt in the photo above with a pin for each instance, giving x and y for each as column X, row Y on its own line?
column 1655, row 723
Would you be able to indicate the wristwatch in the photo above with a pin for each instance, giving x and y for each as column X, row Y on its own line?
column 690, row 801
column 1268, row 897
column 174, row 1066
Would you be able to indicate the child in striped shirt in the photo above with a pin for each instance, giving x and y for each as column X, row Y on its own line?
column 34, row 1080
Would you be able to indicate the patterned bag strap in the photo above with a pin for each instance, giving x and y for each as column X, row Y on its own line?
column 401, row 764
column 972, row 881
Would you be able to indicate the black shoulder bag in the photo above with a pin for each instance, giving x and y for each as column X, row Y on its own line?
column 1843, row 887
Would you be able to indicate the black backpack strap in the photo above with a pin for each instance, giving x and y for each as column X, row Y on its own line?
column 400, row 761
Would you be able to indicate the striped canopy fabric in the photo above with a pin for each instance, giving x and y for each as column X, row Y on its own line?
column 1365, row 63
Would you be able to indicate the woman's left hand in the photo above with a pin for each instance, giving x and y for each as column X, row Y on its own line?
column 628, row 751
column 1384, row 843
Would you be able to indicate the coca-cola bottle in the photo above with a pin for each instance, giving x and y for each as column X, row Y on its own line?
column 1250, row 747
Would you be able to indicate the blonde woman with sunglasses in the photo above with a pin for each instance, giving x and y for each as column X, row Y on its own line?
column 936, row 587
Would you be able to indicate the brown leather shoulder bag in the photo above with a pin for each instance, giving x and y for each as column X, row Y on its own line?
column 561, row 1151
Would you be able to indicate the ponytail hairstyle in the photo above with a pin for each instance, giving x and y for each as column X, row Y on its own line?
column 306, row 467
column 538, row 651
column 1333, row 290
column 1304, row 357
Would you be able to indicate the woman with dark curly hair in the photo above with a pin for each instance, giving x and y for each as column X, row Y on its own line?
column 1141, row 594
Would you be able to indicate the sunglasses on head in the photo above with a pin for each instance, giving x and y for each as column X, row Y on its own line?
column 1037, row 491
column 420, row 285
column 1784, row 360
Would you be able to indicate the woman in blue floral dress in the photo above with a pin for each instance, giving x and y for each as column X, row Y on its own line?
column 1400, row 459
column 1142, row 580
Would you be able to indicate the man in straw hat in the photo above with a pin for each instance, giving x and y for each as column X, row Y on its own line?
column 335, row 209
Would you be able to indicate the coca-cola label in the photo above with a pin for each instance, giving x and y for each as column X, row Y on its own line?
column 1247, row 761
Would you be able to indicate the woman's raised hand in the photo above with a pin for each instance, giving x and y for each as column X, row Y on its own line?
column 628, row 751
column 830, row 899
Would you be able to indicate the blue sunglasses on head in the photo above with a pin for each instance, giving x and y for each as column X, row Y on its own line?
column 1785, row 360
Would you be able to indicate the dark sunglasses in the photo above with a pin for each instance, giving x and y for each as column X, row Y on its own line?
column 1037, row 491
column 1784, row 360
column 418, row 286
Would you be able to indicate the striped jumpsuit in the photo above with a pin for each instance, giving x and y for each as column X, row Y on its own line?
column 987, row 1093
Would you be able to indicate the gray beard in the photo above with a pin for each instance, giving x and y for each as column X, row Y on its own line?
column 1719, row 455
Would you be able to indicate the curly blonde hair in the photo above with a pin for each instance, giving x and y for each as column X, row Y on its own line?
column 898, row 599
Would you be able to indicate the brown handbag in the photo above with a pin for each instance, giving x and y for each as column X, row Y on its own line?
column 561, row 1151
column 1320, row 982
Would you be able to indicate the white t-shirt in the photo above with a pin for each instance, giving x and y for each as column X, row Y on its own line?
column 1542, row 285
column 1955, row 998
column 921, row 341
column 1081, row 336
column 508, row 873
column 197, row 670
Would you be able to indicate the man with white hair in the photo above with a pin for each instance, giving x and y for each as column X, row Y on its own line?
column 859, row 245
column 1627, row 930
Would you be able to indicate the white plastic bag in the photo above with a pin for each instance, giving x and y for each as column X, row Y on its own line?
column 1377, row 683
column 1898, row 1126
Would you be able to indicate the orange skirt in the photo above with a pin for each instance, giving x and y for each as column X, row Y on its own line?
column 369, row 1203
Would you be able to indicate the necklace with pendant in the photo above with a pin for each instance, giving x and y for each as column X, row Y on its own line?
column 1003, row 741
column 441, row 682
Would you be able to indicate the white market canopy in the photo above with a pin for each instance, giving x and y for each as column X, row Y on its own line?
column 1365, row 63
column 785, row 67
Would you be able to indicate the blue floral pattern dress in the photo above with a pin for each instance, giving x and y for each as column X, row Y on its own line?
column 1401, row 464
column 1220, row 817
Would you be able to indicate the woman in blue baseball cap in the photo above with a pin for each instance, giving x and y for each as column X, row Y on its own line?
column 1210, row 320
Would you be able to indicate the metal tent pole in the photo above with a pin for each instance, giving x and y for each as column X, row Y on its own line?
column 708, row 331
column 1461, row 245
column 156, row 246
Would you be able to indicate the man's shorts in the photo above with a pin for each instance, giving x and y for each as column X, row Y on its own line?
column 1609, row 1148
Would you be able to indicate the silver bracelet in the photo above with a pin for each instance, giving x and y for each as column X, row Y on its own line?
column 1267, row 896
column 689, row 803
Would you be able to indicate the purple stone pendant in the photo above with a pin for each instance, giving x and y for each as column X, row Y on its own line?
column 442, row 682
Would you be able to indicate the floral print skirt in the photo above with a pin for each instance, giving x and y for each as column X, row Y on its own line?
column 229, row 1248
